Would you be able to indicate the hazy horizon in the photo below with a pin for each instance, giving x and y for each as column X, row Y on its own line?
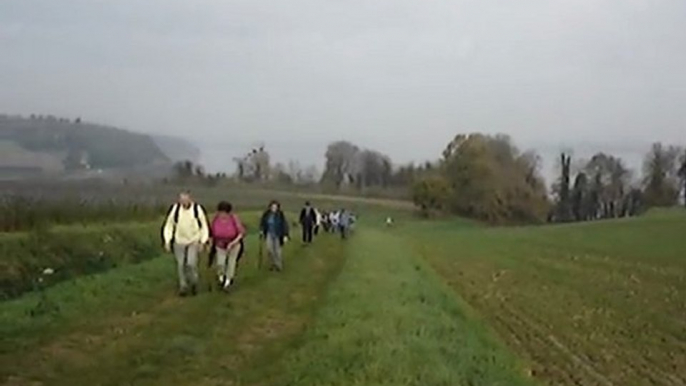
column 402, row 77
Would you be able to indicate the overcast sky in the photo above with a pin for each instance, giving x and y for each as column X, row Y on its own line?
column 399, row 76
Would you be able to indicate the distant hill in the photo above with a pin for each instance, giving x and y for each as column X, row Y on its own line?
column 176, row 149
column 47, row 144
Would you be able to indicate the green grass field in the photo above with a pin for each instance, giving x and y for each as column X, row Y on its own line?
column 422, row 303
column 589, row 304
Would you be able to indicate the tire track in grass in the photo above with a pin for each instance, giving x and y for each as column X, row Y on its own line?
column 209, row 339
column 389, row 320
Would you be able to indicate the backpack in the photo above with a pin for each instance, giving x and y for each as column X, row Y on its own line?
column 174, row 211
column 220, row 229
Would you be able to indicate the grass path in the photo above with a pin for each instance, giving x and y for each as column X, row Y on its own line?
column 388, row 320
column 368, row 311
column 128, row 327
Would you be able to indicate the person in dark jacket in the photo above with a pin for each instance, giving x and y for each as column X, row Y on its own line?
column 274, row 232
column 308, row 220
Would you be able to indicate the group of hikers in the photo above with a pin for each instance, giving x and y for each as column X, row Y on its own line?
column 186, row 232
column 313, row 221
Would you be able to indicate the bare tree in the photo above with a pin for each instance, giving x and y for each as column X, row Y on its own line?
column 340, row 162
column 254, row 166
column 240, row 167
column 661, row 184
column 295, row 171
column 562, row 188
column 281, row 175
column 184, row 169
column 611, row 179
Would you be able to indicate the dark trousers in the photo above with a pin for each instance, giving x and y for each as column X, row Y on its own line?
column 308, row 229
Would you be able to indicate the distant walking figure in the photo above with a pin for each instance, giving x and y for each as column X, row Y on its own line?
column 344, row 222
column 334, row 218
column 308, row 220
column 184, row 233
column 274, row 231
column 389, row 221
column 227, row 234
column 318, row 222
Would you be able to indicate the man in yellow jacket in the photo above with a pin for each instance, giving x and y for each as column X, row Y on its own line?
column 184, row 233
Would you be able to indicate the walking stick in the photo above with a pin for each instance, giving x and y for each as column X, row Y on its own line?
column 260, row 253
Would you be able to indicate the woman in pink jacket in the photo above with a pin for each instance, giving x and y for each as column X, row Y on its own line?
column 227, row 233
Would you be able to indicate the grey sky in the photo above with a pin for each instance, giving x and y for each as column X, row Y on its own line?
column 399, row 76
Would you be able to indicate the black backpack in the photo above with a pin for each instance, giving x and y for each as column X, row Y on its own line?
column 175, row 209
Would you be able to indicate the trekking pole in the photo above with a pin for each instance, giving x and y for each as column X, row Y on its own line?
column 259, row 253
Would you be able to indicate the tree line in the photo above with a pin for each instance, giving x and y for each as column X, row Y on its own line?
column 604, row 188
column 488, row 178
column 485, row 177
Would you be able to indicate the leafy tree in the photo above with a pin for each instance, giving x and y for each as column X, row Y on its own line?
column 491, row 180
column 404, row 176
column 430, row 193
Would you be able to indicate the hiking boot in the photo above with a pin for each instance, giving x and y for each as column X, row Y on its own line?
column 194, row 290
column 183, row 292
column 227, row 285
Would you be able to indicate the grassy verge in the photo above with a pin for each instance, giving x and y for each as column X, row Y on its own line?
column 71, row 252
column 388, row 320
column 76, row 250
column 593, row 304
column 127, row 326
